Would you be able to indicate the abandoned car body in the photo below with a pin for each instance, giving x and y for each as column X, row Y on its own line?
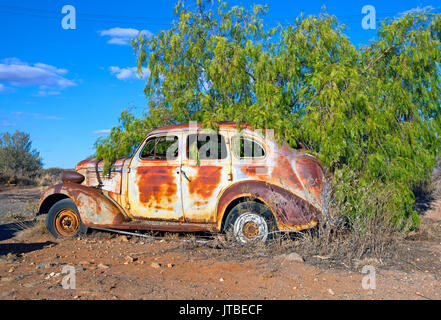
column 183, row 178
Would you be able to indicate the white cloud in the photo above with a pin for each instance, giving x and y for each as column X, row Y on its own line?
column 50, row 68
column 13, row 61
column 119, row 41
column 19, row 73
column 37, row 116
column 418, row 9
column 45, row 93
column 128, row 73
column 102, row 132
column 122, row 36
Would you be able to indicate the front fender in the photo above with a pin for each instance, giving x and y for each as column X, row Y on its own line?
column 93, row 206
column 290, row 211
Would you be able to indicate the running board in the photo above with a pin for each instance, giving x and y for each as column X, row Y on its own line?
column 158, row 226
column 205, row 242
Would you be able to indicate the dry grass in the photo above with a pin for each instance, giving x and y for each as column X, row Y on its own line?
column 14, row 217
column 350, row 242
column 27, row 231
column 48, row 179
column 42, row 177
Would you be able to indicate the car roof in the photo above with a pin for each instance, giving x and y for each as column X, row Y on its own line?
column 192, row 125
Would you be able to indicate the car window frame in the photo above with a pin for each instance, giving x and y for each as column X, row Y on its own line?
column 247, row 158
column 160, row 135
column 186, row 146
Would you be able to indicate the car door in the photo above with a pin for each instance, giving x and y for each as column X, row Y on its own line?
column 155, row 183
column 205, row 173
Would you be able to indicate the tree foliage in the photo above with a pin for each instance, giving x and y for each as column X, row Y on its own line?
column 17, row 158
column 370, row 113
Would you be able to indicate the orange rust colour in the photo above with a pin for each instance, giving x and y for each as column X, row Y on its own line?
column 310, row 174
column 206, row 181
column 282, row 170
column 255, row 171
column 115, row 196
column 156, row 184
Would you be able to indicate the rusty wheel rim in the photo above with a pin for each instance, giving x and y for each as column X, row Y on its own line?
column 67, row 222
column 250, row 227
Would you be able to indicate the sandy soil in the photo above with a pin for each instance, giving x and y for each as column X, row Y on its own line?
column 109, row 266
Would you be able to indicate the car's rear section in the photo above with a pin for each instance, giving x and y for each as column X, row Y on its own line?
column 305, row 179
column 291, row 183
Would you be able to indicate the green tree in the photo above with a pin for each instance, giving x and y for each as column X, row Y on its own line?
column 371, row 114
column 17, row 158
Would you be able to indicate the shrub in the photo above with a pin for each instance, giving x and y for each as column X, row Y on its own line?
column 19, row 163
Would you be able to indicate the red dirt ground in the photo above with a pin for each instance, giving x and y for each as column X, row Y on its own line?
column 163, row 269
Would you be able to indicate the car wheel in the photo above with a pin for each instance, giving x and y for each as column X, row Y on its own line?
column 63, row 220
column 250, row 222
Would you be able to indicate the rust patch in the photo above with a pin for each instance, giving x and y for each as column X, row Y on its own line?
column 72, row 176
column 206, row 181
column 311, row 175
column 255, row 171
column 283, row 171
column 116, row 197
column 156, row 185
column 200, row 203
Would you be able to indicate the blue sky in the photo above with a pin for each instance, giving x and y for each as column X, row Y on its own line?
column 68, row 87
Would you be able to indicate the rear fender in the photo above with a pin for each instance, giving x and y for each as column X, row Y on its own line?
column 290, row 211
column 93, row 206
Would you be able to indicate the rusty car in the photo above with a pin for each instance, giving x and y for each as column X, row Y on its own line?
column 185, row 178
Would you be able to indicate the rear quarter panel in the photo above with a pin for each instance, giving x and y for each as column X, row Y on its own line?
column 288, row 182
